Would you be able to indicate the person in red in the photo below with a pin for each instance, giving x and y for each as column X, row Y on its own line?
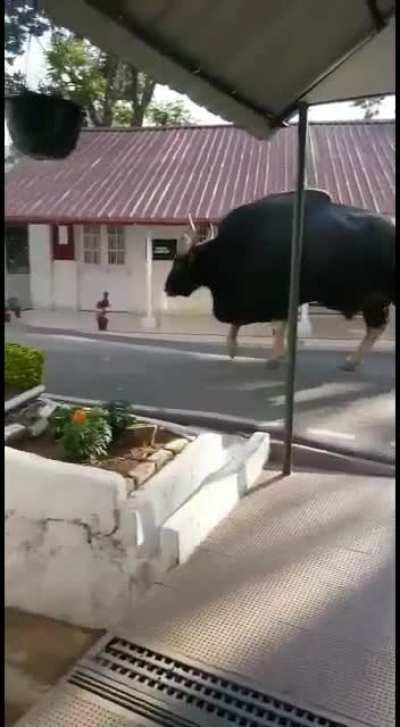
column 101, row 317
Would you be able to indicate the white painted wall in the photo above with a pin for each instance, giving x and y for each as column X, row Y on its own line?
column 94, row 280
column 65, row 284
column 75, row 285
column 79, row 550
column 18, row 285
column 127, row 287
column 41, row 266
column 199, row 303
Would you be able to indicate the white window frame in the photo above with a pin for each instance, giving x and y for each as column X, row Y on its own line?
column 116, row 247
column 91, row 244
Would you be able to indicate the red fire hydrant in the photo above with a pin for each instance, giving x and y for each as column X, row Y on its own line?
column 101, row 317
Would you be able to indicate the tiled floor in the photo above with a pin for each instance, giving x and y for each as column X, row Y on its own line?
column 38, row 652
column 292, row 595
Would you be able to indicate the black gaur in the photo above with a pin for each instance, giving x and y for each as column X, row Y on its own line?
column 348, row 265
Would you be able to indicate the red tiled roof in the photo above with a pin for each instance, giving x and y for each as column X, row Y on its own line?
column 158, row 176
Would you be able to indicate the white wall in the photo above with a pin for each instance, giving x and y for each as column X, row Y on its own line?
column 18, row 285
column 40, row 261
column 199, row 303
column 76, row 286
column 65, row 284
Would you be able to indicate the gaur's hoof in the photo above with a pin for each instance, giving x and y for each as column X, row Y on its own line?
column 275, row 363
column 349, row 366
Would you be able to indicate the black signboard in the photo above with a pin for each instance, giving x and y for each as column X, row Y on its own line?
column 164, row 249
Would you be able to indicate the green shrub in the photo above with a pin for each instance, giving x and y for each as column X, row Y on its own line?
column 84, row 433
column 59, row 418
column 119, row 416
column 23, row 366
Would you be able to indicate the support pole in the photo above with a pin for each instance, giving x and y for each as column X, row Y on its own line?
column 295, row 269
column 305, row 326
column 149, row 320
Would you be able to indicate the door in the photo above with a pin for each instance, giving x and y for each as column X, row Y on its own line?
column 103, row 266
column 17, row 278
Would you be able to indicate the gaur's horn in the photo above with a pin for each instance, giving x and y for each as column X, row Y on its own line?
column 191, row 223
column 213, row 231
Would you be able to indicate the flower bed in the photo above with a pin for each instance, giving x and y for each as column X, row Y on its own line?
column 84, row 539
column 110, row 438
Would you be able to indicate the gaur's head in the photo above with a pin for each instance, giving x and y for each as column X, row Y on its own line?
column 184, row 277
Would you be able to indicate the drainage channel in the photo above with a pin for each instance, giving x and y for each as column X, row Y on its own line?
column 140, row 684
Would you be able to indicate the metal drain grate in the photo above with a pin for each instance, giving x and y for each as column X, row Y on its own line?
column 174, row 693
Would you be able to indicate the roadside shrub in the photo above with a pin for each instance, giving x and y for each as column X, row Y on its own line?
column 59, row 418
column 83, row 433
column 23, row 366
column 119, row 417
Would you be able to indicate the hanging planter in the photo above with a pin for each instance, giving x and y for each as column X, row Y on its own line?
column 42, row 126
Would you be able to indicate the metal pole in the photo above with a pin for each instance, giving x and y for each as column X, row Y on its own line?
column 295, row 269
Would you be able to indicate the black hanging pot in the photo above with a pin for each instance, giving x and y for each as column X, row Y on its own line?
column 41, row 126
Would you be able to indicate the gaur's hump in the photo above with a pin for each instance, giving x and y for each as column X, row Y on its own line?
column 314, row 196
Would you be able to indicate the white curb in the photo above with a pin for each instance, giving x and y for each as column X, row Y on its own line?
column 193, row 522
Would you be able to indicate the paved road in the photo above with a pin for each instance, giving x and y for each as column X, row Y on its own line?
column 351, row 410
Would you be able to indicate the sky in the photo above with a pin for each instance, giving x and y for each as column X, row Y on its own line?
column 32, row 63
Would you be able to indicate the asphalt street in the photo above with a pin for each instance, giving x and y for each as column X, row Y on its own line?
column 355, row 411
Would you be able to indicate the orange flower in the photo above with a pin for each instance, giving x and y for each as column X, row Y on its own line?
column 79, row 416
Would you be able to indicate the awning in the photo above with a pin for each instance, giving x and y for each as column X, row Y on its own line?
column 249, row 61
column 253, row 62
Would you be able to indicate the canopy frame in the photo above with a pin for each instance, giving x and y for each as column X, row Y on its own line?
column 294, row 289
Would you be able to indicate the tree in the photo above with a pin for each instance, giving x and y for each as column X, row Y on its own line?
column 370, row 106
column 169, row 113
column 110, row 90
column 21, row 20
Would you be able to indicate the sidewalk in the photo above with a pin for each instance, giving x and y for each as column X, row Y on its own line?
column 285, row 615
column 326, row 327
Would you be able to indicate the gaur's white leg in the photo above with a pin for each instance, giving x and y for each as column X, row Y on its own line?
column 356, row 358
column 232, row 341
column 376, row 317
column 278, row 348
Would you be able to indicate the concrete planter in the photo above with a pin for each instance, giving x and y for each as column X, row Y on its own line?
column 79, row 549
column 23, row 398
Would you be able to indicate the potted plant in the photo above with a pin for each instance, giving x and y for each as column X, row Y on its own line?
column 42, row 126
column 101, row 315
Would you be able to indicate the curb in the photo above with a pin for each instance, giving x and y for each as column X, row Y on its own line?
column 210, row 338
column 190, row 525
column 23, row 398
column 308, row 450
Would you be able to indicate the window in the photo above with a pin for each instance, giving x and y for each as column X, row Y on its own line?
column 91, row 244
column 116, row 245
column 17, row 249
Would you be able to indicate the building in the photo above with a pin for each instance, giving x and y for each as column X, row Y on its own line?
column 108, row 216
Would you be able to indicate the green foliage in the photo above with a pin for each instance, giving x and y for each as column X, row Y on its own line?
column 85, row 434
column 21, row 20
column 370, row 106
column 169, row 113
column 23, row 366
column 119, row 417
column 111, row 91
column 58, row 420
